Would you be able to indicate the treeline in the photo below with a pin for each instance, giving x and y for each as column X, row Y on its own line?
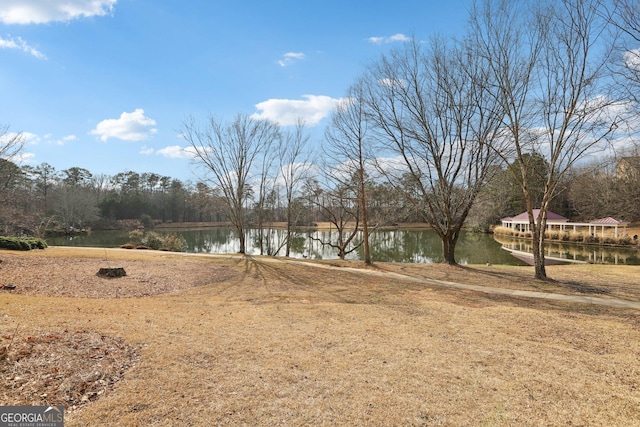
column 35, row 199
column 40, row 198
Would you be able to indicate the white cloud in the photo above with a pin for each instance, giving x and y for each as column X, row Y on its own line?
column 376, row 40
column 632, row 59
column 26, row 138
column 19, row 44
column 43, row 11
column 398, row 38
column 176, row 152
column 9, row 136
column 286, row 112
column 30, row 138
column 390, row 39
column 22, row 158
column 289, row 58
column 393, row 166
column 129, row 127
column 61, row 141
column 391, row 83
column 301, row 172
column 69, row 138
column 343, row 171
column 145, row 151
column 375, row 168
column 621, row 113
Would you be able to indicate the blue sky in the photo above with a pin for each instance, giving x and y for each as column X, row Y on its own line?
column 106, row 84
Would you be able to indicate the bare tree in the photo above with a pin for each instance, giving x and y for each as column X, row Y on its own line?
column 294, row 167
column 349, row 147
column 436, row 113
column 593, row 191
column 10, row 146
column 607, row 186
column 11, row 143
column 45, row 179
column 548, row 60
column 340, row 206
column 74, row 205
column 229, row 153
column 625, row 16
column 266, row 190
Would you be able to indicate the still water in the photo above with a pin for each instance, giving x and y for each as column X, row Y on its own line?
column 417, row 246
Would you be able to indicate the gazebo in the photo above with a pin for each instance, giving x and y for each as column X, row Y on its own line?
column 602, row 223
column 521, row 222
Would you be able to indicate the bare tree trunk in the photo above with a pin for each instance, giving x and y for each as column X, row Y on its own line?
column 241, row 238
column 448, row 249
column 287, row 251
column 538, row 251
column 365, row 224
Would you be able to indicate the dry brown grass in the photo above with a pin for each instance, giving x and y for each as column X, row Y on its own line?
column 285, row 344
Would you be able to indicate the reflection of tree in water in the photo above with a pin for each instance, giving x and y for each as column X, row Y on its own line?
column 406, row 246
column 207, row 240
column 475, row 248
column 298, row 243
column 410, row 246
column 578, row 252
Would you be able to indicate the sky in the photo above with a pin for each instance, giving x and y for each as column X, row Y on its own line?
column 106, row 85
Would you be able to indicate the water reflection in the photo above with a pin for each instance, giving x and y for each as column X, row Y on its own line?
column 574, row 253
column 411, row 246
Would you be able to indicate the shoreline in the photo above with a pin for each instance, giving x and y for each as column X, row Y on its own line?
column 320, row 226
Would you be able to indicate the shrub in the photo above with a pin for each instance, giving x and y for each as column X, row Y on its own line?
column 174, row 242
column 625, row 240
column 35, row 243
column 552, row 235
column 152, row 240
column 576, row 237
column 504, row 231
column 135, row 237
column 25, row 244
column 146, row 220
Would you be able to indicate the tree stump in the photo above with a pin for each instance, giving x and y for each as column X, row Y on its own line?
column 111, row 272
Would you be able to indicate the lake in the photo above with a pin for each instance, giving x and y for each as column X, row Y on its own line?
column 413, row 246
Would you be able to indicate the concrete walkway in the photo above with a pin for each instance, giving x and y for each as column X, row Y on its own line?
column 609, row 302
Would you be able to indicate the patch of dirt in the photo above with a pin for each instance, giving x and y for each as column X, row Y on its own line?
column 76, row 277
column 69, row 368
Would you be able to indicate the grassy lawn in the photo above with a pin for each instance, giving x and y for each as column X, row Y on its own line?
column 265, row 343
